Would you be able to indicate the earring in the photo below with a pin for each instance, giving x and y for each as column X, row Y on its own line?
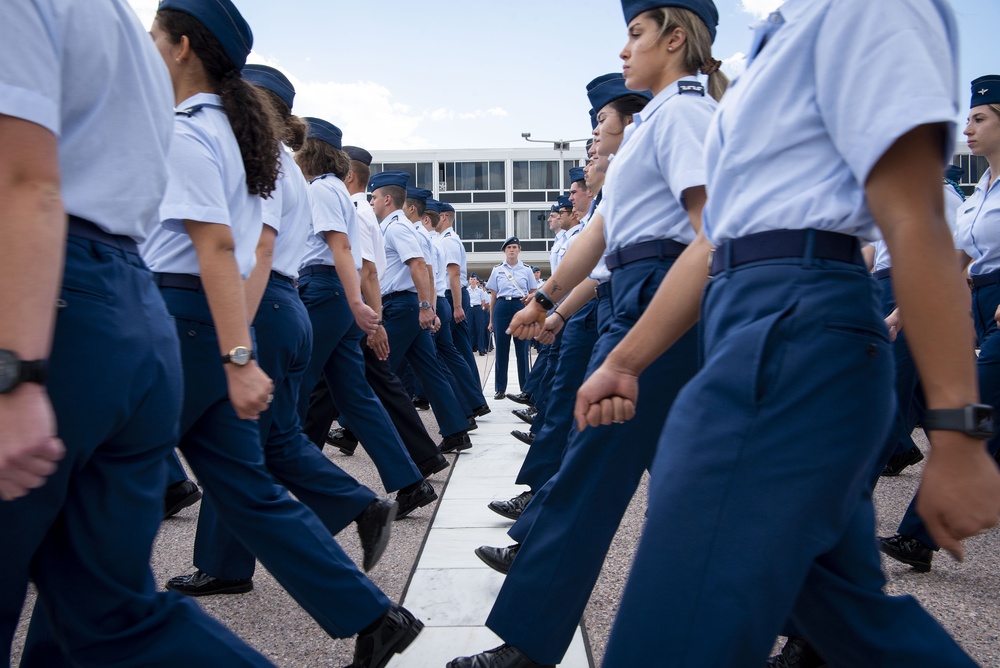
column 670, row 49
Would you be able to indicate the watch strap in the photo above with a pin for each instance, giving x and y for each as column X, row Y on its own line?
column 975, row 420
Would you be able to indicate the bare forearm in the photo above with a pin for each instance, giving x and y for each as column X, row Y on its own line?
column 579, row 261
column 455, row 283
column 370, row 288
column 421, row 280
column 672, row 312
column 580, row 295
column 220, row 277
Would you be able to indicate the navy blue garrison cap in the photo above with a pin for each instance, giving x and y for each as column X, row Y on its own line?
column 223, row 20
column 535, row 269
column 985, row 90
column 445, row 207
column 576, row 174
column 422, row 194
column 475, row 276
column 593, row 119
column 563, row 202
column 512, row 240
column 704, row 9
column 433, row 205
column 388, row 178
column 271, row 79
column 554, row 208
column 359, row 154
column 324, row 131
column 607, row 88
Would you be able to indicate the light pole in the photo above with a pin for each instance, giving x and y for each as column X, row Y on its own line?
column 557, row 144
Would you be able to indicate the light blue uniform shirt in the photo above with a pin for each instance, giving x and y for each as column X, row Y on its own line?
column 837, row 84
column 952, row 203
column 660, row 157
column 207, row 183
column 558, row 248
column 440, row 268
column 508, row 281
column 332, row 211
column 372, row 245
column 979, row 227
column 568, row 238
column 88, row 72
column 479, row 297
column 288, row 211
column 454, row 253
column 402, row 244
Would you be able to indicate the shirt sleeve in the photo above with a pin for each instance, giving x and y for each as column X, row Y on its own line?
column 30, row 80
column 491, row 284
column 450, row 249
column 271, row 209
column 195, row 188
column 327, row 212
column 680, row 140
column 404, row 240
column 883, row 69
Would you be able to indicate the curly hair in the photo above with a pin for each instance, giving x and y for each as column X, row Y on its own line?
column 293, row 129
column 254, row 122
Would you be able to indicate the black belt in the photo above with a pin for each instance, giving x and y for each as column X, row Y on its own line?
column 84, row 229
column 281, row 277
column 317, row 269
column 664, row 249
column 882, row 273
column 604, row 290
column 982, row 280
column 181, row 281
column 399, row 293
column 776, row 244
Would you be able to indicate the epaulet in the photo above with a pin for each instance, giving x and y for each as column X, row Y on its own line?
column 498, row 264
column 190, row 111
column 691, row 88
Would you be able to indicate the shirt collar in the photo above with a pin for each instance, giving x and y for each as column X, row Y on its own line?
column 642, row 116
column 204, row 99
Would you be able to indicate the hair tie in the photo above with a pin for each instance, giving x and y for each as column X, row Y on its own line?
column 711, row 66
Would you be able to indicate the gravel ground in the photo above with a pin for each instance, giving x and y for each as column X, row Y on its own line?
column 963, row 596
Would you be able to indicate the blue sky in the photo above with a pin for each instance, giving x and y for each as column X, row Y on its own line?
column 397, row 74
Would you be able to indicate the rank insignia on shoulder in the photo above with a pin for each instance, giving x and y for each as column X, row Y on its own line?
column 190, row 111
column 693, row 87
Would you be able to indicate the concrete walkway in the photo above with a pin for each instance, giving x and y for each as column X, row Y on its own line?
column 451, row 590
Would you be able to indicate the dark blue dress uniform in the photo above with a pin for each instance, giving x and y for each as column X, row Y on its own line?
column 88, row 73
column 208, row 183
column 479, row 301
column 284, row 342
column 509, row 285
column 772, row 442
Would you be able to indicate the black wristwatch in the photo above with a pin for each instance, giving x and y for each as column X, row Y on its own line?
column 14, row 371
column 240, row 356
column 975, row 420
column 544, row 301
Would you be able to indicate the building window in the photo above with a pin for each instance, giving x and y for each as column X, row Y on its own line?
column 481, row 225
column 568, row 165
column 472, row 176
column 973, row 167
column 536, row 175
column 532, row 224
column 421, row 173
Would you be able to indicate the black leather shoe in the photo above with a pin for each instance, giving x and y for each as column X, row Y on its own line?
column 421, row 404
column 899, row 462
column 481, row 411
column 394, row 634
column 343, row 440
column 512, row 508
column 374, row 529
column 455, row 443
column 503, row 656
column 433, row 465
column 473, row 425
column 526, row 414
column 201, row 583
column 525, row 437
column 909, row 551
column 498, row 558
column 521, row 398
column 179, row 496
column 500, row 395
column 482, row 354
column 797, row 653
column 423, row 495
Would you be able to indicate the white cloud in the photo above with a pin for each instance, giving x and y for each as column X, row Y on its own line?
column 760, row 8
column 734, row 65
column 145, row 10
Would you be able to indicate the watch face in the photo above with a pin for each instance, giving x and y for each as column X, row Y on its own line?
column 982, row 419
column 240, row 356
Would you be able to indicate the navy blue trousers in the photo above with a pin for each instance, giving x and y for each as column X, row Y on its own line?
column 401, row 313
column 85, row 537
column 461, row 335
column 284, row 344
column 567, row 528
column 336, row 356
column 533, row 384
column 579, row 339
column 480, row 336
column 984, row 305
column 453, row 364
column 760, row 508
column 504, row 311
column 225, row 454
